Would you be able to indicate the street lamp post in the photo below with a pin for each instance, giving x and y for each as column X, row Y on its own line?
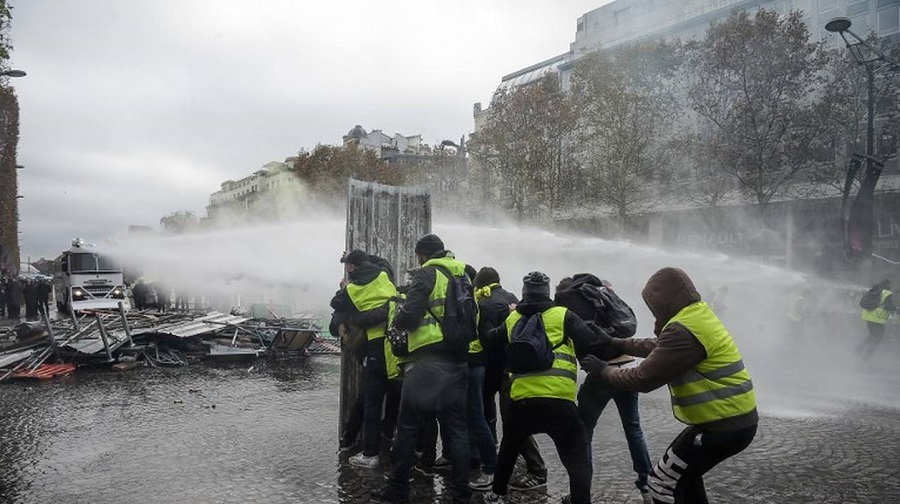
column 858, row 224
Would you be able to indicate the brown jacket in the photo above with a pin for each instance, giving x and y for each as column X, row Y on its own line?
column 674, row 351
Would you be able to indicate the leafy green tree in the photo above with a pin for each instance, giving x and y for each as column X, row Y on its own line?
column 326, row 169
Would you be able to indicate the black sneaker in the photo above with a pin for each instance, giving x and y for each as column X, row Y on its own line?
column 388, row 493
column 387, row 477
column 442, row 463
column 528, row 482
column 424, row 469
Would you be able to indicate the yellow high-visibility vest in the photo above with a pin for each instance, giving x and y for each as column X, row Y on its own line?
column 879, row 315
column 558, row 382
column 372, row 295
column 429, row 330
column 719, row 387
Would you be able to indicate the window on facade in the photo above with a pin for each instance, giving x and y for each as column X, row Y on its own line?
column 854, row 2
column 860, row 25
column 827, row 5
column 889, row 20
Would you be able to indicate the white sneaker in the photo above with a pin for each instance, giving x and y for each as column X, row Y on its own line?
column 360, row 460
column 490, row 497
column 645, row 497
column 483, row 482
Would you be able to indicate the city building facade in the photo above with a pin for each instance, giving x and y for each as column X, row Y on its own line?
column 790, row 232
column 383, row 145
column 246, row 196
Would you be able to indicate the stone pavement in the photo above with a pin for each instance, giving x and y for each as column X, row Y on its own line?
column 267, row 433
column 820, row 459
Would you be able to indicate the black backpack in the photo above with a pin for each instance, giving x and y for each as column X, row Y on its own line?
column 610, row 311
column 871, row 299
column 529, row 349
column 384, row 264
column 460, row 321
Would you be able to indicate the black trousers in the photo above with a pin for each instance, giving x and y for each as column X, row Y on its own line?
column 531, row 454
column 559, row 419
column 678, row 476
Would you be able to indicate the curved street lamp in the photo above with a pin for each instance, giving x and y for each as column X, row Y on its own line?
column 858, row 238
column 13, row 73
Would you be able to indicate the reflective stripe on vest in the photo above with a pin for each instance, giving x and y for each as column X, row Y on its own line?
column 719, row 387
column 370, row 296
column 391, row 361
column 559, row 381
column 429, row 330
column 879, row 315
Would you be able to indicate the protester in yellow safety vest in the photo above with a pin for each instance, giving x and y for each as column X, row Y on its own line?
column 543, row 400
column 876, row 318
column 711, row 391
column 364, row 301
column 434, row 373
column 494, row 305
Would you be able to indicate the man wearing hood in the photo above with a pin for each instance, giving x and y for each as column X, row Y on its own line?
column 362, row 303
column 711, row 391
column 544, row 401
column 435, row 373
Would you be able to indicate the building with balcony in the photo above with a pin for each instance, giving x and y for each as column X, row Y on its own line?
column 252, row 194
column 384, row 146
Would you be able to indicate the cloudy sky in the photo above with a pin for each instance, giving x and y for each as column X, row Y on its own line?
column 133, row 109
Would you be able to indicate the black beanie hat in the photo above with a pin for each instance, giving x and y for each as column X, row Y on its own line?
column 486, row 276
column 429, row 245
column 355, row 257
column 535, row 285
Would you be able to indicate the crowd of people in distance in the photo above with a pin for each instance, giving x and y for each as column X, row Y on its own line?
column 432, row 370
column 32, row 294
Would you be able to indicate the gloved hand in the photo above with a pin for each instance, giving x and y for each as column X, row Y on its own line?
column 604, row 339
column 593, row 364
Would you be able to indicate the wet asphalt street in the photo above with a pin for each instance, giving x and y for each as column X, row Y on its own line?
column 268, row 435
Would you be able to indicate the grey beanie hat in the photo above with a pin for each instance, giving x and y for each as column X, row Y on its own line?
column 535, row 285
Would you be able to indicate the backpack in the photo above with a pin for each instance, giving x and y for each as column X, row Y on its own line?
column 871, row 299
column 529, row 349
column 610, row 311
column 460, row 321
column 384, row 264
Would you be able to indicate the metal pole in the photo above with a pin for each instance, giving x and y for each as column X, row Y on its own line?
column 870, row 123
column 103, row 338
column 125, row 324
column 74, row 318
column 46, row 318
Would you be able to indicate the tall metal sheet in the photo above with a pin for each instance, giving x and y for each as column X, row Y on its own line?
column 385, row 221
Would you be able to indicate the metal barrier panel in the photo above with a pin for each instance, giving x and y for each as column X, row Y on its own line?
column 385, row 221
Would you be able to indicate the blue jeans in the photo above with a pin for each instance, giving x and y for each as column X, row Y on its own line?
column 479, row 432
column 439, row 388
column 593, row 396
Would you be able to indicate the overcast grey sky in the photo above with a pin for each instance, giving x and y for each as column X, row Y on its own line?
column 133, row 109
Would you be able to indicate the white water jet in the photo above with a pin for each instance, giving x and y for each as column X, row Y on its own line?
column 298, row 263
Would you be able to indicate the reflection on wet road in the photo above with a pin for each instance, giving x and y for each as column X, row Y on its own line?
column 221, row 435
